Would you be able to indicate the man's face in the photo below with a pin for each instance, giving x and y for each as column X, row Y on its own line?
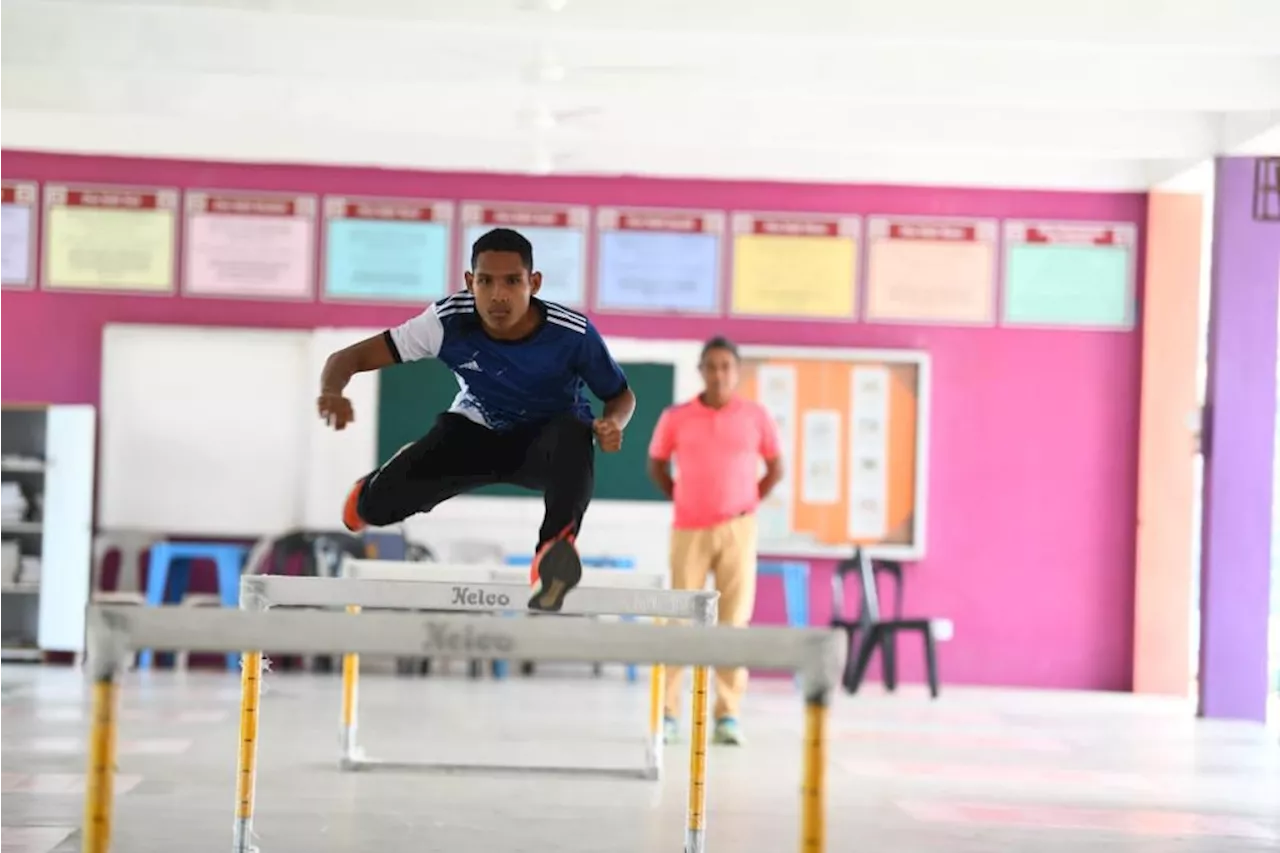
column 719, row 369
column 502, row 288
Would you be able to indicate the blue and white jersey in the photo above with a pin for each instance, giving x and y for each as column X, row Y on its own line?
column 503, row 384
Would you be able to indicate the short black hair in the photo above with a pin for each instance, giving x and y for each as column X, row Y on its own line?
column 504, row 240
column 719, row 342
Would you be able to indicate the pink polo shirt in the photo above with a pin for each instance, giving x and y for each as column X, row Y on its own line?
column 718, row 453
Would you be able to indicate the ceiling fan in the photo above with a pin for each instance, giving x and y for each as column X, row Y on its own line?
column 551, row 68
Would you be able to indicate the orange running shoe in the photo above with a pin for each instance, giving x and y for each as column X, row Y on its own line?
column 350, row 515
column 559, row 568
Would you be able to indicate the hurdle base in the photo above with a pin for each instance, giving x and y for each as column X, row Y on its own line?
column 364, row 764
column 653, row 761
column 242, row 841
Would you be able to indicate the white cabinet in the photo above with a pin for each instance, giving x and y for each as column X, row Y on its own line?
column 47, row 469
column 68, row 528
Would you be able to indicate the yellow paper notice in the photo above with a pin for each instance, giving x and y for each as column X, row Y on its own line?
column 109, row 249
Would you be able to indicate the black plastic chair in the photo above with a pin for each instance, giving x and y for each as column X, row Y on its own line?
column 870, row 630
column 320, row 552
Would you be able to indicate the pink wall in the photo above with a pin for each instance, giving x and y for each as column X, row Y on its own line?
column 1033, row 455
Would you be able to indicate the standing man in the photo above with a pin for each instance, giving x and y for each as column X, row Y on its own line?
column 718, row 440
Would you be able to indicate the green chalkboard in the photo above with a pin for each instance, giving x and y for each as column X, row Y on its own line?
column 411, row 395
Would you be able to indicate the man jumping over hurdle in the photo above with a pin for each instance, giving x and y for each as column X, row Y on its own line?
column 521, row 415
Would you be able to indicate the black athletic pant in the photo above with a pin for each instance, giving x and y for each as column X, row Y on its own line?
column 458, row 455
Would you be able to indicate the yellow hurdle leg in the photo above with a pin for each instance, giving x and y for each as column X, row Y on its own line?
column 813, row 828
column 695, row 838
column 247, row 762
column 350, row 679
column 102, row 764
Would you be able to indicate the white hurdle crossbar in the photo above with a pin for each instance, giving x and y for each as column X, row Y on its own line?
column 390, row 570
column 115, row 631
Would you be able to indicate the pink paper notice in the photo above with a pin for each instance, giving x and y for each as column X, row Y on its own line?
column 250, row 248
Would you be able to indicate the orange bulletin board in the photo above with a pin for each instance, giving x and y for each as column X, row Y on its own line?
column 853, row 425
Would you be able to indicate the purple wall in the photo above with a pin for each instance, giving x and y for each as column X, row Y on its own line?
column 1033, row 453
column 1241, row 400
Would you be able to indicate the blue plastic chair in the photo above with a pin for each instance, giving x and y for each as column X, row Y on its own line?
column 795, row 588
column 623, row 563
column 384, row 546
column 618, row 563
column 229, row 559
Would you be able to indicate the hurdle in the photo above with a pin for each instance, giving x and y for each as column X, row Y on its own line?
column 401, row 587
column 115, row 631
column 496, row 572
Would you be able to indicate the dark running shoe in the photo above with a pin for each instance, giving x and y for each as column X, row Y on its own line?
column 350, row 513
column 559, row 569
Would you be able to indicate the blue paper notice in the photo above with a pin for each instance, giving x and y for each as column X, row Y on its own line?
column 658, row 272
column 17, row 243
column 386, row 261
column 558, row 253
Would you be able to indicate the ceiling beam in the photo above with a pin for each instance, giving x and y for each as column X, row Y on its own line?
column 1187, row 176
column 721, row 125
column 1253, row 133
column 152, row 40
column 334, row 51
column 285, row 141
column 1228, row 26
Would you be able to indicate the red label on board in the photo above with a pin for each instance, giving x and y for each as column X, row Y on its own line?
column 932, row 231
column 516, row 217
column 688, row 223
column 1072, row 234
column 389, row 210
column 112, row 198
column 796, row 227
column 245, row 206
column 10, row 195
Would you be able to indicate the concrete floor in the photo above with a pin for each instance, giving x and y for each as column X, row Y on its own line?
column 979, row 770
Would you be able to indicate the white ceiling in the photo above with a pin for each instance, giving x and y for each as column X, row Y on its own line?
column 1107, row 94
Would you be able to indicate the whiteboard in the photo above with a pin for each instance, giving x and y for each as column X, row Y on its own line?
column 204, row 429
column 336, row 459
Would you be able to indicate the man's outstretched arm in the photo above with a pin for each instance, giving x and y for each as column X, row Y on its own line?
column 416, row 338
column 620, row 408
column 373, row 353
column 607, row 381
column 370, row 354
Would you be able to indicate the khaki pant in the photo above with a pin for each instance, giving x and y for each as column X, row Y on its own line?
column 728, row 551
